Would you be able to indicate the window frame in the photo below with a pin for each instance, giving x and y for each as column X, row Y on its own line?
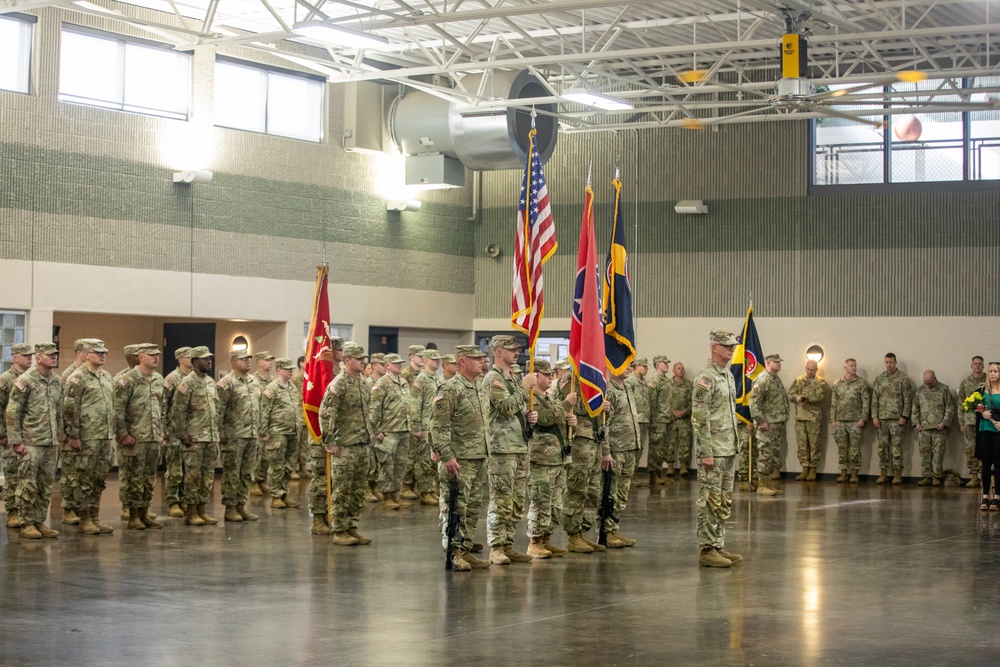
column 31, row 22
column 6, row 361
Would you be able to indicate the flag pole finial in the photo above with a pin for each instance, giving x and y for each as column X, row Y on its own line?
column 618, row 167
column 590, row 170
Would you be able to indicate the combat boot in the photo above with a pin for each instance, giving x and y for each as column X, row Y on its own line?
column 498, row 557
column 776, row 475
column 86, row 525
column 744, row 486
column 13, row 521
column 126, row 514
column 843, row 476
column 95, row 518
column 277, row 503
column 712, row 558
column 924, row 481
column 854, row 476
column 578, row 545
column 403, row 505
column 428, row 499
column 45, row 530
column 362, row 540
column 29, row 532
column 475, row 563
column 668, row 471
column 811, row 475
column 684, row 470
column 255, row 489
column 407, row 493
column 210, row 520
column 231, row 515
column 733, row 558
column 71, row 518
column 764, row 487
column 593, row 545
column 936, row 482
column 370, row 497
column 897, row 477
column 537, row 550
column 882, row 476
column 134, row 522
column 553, row 549
column 615, row 542
column 388, row 503
column 629, row 541
column 148, row 518
column 801, row 477
column 458, row 563
column 320, row 526
column 345, row 539
column 246, row 515
column 289, row 502
column 639, row 482
column 265, row 490
column 476, row 548
column 191, row 517
column 654, row 479
column 516, row 556
column 175, row 511
column 973, row 483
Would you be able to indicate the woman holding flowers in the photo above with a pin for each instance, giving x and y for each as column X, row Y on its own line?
column 988, row 435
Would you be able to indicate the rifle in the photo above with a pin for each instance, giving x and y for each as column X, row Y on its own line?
column 453, row 518
column 607, row 508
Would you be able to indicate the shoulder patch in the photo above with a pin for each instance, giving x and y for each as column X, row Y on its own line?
column 499, row 383
column 267, row 392
column 438, row 398
column 74, row 379
column 19, row 385
column 182, row 389
column 122, row 382
column 703, row 382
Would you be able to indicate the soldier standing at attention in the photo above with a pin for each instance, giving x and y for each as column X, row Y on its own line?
column 769, row 409
column 807, row 393
column 34, row 429
column 967, row 420
column 279, row 408
column 139, row 425
column 892, row 399
column 410, row 375
column 347, row 437
column 849, row 409
column 238, row 410
column 20, row 355
column 67, row 456
column 89, row 416
column 302, row 433
column 194, row 421
column 377, row 363
column 508, row 464
column 678, row 390
column 390, row 417
column 263, row 375
column 933, row 412
column 318, row 454
column 173, row 476
column 79, row 356
column 420, row 467
column 622, row 444
column 636, row 381
column 449, row 367
column 660, row 417
column 460, row 438
column 415, row 364
column 131, row 361
column 713, row 420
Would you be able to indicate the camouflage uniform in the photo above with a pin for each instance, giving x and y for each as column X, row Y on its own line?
column 548, row 474
column 713, row 420
column 260, row 474
column 390, row 416
column 641, row 393
column 933, row 406
column 809, row 418
column 89, row 416
column 173, row 476
column 195, row 422
column 301, row 430
column 768, row 405
column 660, row 419
column 583, row 474
column 139, row 413
column 623, row 444
column 678, row 397
column 851, row 403
column 7, row 456
column 892, row 398
column 508, row 466
column 279, row 423
column 419, row 466
column 344, row 416
column 748, row 466
column 35, row 419
column 967, row 420
column 238, row 414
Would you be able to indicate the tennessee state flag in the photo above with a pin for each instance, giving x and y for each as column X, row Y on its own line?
column 586, row 339
column 747, row 364
column 319, row 371
column 619, row 334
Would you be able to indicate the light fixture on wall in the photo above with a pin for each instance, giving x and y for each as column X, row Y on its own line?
column 335, row 35
column 403, row 205
column 605, row 102
column 193, row 176
column 241, row 343
column 814, row 353
column 492, row 250
column 690, row 207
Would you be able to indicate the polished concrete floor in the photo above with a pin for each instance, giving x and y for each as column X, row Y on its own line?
column 833, row 575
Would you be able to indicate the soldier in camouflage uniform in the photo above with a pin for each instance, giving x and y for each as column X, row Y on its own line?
column 20, row 355
column 849, row 409
column 415, row 364
column 173, row 476
column 195, row 422
column 139, row 426
column 264, row 374
column 238, row 411
column 748, row 465
column 414, row 368
column 932, row 414
column 636, row 381
column 347, row 437
column 583, row 474
column 967, row 420
column 89, row 418
column 460, row 438
column 131, row 361
column 678, row 391
column 302, row 432
column 449, row 368
column 769, row 409
column 508, row 465
column 713, row 420
column 420, row 477
column 377, row 363
column 67, row 456
column 390, row 417
column 807, row 394
column 279, row 410
column 660, row 418
column 892, row 399
column 79, row 356
column 34, row 419
column 320, row 459
column 623, row 445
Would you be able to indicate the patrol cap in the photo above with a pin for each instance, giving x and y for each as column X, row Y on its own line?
column 430, row 354
column 337, row 343
column 45, row 348
column 96, row 345
column 239, row 354
column 182, row 353
column 722, row 337
column 260, row 356
column 563, row 365
column 448, row 359
column 132, row 350
column 506, row 342
column 415, row 349
column 284, row 364
column 543, row 366
column 377, row 358
column 393, row 358
column 148, row 348
column 80, row 344
column 353, row 351
column 471, row 351
column 200, row 352
column 516, row 368
column 23, row 349
column 641, row 361
column 661, row 359
column 773, row 357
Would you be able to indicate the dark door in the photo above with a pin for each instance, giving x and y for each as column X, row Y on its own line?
column 383, row 339
column 177, row 335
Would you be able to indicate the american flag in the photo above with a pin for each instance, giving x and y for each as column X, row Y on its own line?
column 534, row 243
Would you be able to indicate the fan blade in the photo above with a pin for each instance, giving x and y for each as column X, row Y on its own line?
column 819, row 97
column 827, row 111
column 694, row 76
column 911, row 76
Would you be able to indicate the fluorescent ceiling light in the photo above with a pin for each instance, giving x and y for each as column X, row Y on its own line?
column 594, row 100
column 334, row 35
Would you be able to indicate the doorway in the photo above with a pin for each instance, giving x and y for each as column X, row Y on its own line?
column 182, row 334
column 383, row 340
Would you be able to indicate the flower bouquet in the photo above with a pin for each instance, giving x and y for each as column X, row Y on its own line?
column 973, row 403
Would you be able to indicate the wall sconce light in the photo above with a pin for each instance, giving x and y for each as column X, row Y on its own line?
column 411, row 205
column 690, row 207
column 814, row 353
column 241, row 343
column 193, row 176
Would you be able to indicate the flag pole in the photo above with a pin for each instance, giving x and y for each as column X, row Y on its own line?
column 572, row 390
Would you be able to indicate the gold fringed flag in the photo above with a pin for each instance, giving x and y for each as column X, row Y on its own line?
column 319, row 371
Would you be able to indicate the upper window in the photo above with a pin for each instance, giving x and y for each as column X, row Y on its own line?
column 12, row 332
column 937, row 146
column 15, row 52
column 112, row 71
column 263, row 99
